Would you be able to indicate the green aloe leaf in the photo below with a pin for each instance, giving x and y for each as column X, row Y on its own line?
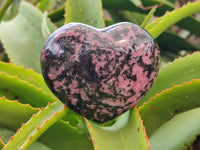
column 128, row 5
column 6, row 134
column 51, row 5
column 24, row 74
column 28, row 75
column 57, row 15
column 22, row 36
column 177, row 133
column 170, row 102
column 133, row 17
column 12, row 10
column 61, row 135
column 189, row 23
column 176, row 43
column 13, row 88
column 46, row 4
column 58, row 136
column 85, row 11
column 148, row 17
column 127, row 133
column 175, row 73
column 14, row 113
column 4, row 4
column 166, row 21
column 37, row 125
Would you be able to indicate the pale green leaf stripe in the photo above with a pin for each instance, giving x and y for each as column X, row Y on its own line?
column 177, row 133
column 22, row 36
column 85, row 11
column 170, row 102
column 123, row 135
column 37, row 125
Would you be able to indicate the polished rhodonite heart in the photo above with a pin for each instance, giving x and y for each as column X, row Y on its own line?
column 100, row 73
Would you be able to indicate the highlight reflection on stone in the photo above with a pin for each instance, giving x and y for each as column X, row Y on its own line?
column 100, row 73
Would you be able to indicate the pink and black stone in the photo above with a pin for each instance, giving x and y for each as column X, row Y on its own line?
column 100, row 73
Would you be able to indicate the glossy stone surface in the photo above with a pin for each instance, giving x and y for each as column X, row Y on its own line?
column 100, row 73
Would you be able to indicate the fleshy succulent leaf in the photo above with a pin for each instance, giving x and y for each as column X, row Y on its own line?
column 60, row 135
column 4, row 4
column 177, row 133
column 6, row 134
column 85, row 11
column 46, row 31
column 130, row 16
column 13, row 88
column 37, row 125
column 147, row 4
column 179, row 71
column 126, row 133
column 168, row 103
column 178, row 14
column 14, row 113
column 177, row 43
column 24, row 74
column 148, row 17
column 22, row 36
column 189, row 23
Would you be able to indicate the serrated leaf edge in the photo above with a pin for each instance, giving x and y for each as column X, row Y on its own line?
column 17, row 102
column 28, row 84
column 143, row 128
column 91, row 134
column 37, row 131
column 180, row 57
column 166, row 90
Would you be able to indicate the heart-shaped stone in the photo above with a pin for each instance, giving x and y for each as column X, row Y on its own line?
column 100, row 73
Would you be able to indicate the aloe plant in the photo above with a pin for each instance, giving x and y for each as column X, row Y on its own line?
column 31, row 117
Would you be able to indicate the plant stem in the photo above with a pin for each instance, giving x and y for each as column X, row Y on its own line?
column 171, row 18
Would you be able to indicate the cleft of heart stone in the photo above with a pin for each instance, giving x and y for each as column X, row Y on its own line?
column 100, row 73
